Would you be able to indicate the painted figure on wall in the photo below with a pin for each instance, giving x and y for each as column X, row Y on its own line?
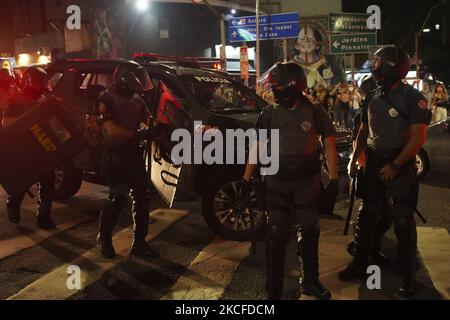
column 311, row 53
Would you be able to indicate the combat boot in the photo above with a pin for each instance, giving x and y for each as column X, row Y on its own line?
column 106, row 246
column 308, row 254
column 108, row 219
column 13, row 208
column 140, row 248
column 405, row 229
column 277, row 237
column 13, row 214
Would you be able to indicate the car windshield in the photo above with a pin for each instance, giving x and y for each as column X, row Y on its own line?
column 222, row 95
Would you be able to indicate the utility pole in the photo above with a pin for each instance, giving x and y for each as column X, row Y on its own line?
column 221, row 17
column 257, row 64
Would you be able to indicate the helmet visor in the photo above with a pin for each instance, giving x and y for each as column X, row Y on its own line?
column 142, row 77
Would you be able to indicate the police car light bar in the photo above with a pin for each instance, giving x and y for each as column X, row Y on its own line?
column 182, row 61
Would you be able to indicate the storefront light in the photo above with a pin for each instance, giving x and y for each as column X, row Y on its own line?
column 24, row 59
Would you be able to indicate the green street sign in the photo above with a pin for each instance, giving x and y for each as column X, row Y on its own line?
column 352, row 43
column 348, row 22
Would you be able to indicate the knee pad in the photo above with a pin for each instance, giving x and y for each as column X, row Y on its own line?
column 117, row 201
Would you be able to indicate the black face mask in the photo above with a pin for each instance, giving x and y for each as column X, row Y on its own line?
column 285, row 99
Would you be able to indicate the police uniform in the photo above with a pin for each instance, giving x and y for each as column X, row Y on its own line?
column 384, row 220
column 123, row 164
column 389, row 117
column 292, row 195
column 20, row 104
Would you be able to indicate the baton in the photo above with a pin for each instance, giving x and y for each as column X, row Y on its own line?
column 252, row 225
column 420, row 216
column 350, row 207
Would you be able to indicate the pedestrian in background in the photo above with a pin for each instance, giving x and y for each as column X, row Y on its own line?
column 428, row 94
column 440, row 102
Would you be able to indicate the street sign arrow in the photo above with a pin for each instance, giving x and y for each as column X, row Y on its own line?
column 335, row 44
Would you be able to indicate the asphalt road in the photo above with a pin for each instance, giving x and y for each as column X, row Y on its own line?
column 194, row 263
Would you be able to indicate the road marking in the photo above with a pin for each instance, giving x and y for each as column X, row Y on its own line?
column 27, row 235
column 210, row 272
column 433, row 244
column 52, row 286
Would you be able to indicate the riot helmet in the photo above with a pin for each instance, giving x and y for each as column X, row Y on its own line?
column 130, row 78
column 390, row 65
column 36, row 82
column 288, row 81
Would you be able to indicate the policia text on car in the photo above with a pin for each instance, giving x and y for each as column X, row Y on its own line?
column 393, row 130
column 296, row 186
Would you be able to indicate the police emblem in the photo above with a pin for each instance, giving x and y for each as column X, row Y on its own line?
column 393, row 113
column 306, row 126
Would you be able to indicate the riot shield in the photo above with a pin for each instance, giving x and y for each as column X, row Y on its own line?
column 39, row 141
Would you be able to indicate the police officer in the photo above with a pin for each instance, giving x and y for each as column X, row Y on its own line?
column 120, row 112
column 296, row 186
column 35, row 89
column 384, row 221
column 393, row 130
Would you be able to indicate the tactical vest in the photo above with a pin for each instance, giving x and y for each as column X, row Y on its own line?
column 298, row 133
column 389, row 120
column 127, row 112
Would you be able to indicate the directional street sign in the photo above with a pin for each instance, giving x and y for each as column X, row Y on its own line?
column 274, row 26
column 348, row 22
column 352, row 43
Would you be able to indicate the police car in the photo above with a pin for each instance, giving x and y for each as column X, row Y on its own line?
column 435, row 154
column 187, row 90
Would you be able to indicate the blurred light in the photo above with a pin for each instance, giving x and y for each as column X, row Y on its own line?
column 437, row 27
column 426, row 30
column 24, row 59
column 142, row 5
column 233, row 11
column 43, row 60
column 217, row 66
column 39, row 52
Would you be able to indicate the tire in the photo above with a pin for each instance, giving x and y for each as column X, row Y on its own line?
column 68, row 181
column 422, row 164
column 219, row 189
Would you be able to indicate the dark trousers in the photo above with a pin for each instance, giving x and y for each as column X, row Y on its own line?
column 46, row 187
column 124, row 169
column 291, row 202
column 401, row 194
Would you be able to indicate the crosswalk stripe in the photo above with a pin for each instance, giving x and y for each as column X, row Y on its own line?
column 210, row 272
column 53, row 285
column 433, row 244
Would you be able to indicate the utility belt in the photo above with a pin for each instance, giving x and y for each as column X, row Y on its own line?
column 377, row 159
column 309, row 168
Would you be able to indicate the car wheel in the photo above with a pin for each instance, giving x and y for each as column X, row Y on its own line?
column 422, row 164
column 68, row 181
column 222, row 208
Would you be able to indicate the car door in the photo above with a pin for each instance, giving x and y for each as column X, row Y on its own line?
column 169, row 114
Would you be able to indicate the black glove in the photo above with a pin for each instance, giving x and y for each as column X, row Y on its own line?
column 143, row 134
